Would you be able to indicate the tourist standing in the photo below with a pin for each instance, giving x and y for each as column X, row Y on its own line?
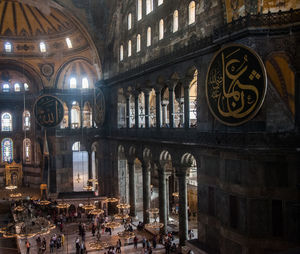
column 135, row 241
column 118, row 249
column 28, row 246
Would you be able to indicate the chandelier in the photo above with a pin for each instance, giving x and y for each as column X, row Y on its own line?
column 44, row 202
column 112, row 200
column 112, row 224
column 15, row 195
column 19, row 208
column 126, row 235
column 153, row 212
column 11, row 187
column 88, row 188
column 96, row 211
column 63, row 205
column 78, row 179
column 98, row 245
column 175, row 194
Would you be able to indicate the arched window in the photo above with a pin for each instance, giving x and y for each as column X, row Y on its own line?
column 8, row 47
column 7, row 150
column 129, row 48
column 76, row 147
column 75, row 115
column 26, row 120
column 139, row 9
column 161, row 29
column 65, row 122
column 149, row 6
column 5, row 87
column 192, row 12
column 42, row 47
column 193, row 100
column 26, row 87
column 69, row 43
column 17, row 87
column 149, row 36
column 129, row 21
column 175, row 21
column 87, row 115
column 160, row 2
column 80, row 167
column 73, row 82
column 6, row 122
column 85, row 83
column 138, row 43
column 27, row 150
column 121, row 53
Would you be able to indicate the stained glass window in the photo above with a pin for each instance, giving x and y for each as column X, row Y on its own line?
column 7, row 150
column 27, row 150
column 6, row 122
column 26, row 120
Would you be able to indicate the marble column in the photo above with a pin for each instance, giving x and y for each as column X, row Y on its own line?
column 158, row 109
column 147, row 108
column 136, row 109
column 162, row 199
column 132, row 189
column 146, row 191
column 70, row 116
column 183, row 216
column 164, row 105
column 171, row 107
column 90, row 173
column 128, row 112
column 81, row 115
column 186, row 106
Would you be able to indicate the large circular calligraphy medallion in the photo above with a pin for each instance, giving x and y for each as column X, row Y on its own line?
column 49, row 111
column 236, row 84
column 99, row 108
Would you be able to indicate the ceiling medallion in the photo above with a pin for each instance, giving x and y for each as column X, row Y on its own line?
column 236, row 84
column 47, row 70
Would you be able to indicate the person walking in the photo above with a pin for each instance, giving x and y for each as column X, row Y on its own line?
column 28, row 245
column 118, row 249
column 135, row 242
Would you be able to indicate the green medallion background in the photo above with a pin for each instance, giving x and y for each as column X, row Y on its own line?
column 235, row 85
column 49, row 111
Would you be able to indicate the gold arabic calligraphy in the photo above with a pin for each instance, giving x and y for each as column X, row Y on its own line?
column 232, row 85
column 48, row 112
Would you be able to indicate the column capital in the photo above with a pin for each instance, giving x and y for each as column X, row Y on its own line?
column 171, row 84
column 146, row 165
column 146, row 91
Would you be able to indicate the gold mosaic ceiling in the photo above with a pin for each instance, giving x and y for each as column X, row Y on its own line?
column 22, row 20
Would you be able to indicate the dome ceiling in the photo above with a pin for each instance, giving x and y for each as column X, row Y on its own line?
column 22, row 20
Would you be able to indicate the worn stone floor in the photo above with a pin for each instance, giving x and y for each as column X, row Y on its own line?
column 71, row 233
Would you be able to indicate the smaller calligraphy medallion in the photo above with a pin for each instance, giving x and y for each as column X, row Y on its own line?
column 236, row 85
column 49, row 111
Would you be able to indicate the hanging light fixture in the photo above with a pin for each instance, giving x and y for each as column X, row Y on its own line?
column 112, row 200
column 88, row 206
column 44, row 202
column 11, row 187
column 78, row 179
column 15, row 195
column 98, row 245
column 175, row 194
column 63, row 205
column 96, row 211
column 19, row 208
column 154, row 212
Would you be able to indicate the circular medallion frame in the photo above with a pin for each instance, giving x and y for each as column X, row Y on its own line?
column 227, row 102
column 48, row 111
